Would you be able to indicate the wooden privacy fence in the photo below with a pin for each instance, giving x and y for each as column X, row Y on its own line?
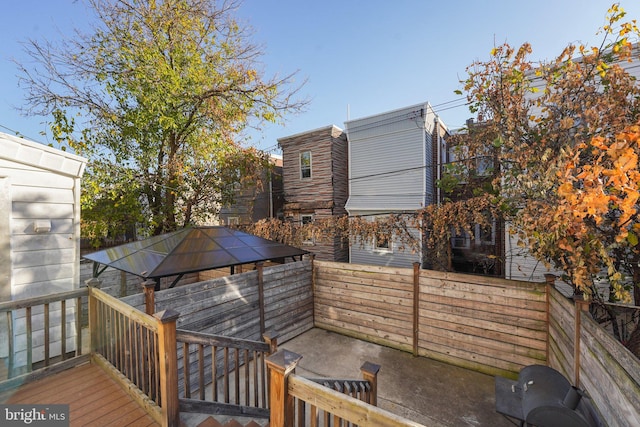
column 593, row 360
column 244, row 305
column 487, row 324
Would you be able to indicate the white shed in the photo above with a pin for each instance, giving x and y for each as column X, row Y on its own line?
column 39, row 222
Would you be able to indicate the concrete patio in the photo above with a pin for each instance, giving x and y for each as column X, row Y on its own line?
column 420, row 389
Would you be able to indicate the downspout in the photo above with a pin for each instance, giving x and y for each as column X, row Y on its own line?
column 438, row 160
column 77, row 185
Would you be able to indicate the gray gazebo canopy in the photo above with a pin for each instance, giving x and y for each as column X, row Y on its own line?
column 190, row 250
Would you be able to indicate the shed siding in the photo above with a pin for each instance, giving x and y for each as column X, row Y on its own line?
column 39, row 184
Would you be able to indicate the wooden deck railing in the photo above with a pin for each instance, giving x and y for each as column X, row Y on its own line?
column 59, row 326
column 365, row 389
column 231, row 374
column 125, row 342
column 298, row 401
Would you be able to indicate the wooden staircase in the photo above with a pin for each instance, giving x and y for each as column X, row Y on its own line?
column 220, row 421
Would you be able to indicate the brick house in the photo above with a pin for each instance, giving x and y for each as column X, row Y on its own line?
column 315, row 181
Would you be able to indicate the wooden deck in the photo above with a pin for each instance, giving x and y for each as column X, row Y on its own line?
column 94, row 398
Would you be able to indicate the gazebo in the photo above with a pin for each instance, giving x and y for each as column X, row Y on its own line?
column 190, row 250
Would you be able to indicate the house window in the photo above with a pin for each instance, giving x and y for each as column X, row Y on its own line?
column 382, row 241
column 484, row 165
column 233, row 220
column 305, row 164
column 460, row 240
column 308, row 236
column 486, row 235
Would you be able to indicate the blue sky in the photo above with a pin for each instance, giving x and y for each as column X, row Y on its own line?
column 359, row 57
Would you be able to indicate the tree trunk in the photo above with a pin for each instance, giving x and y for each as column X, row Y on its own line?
column 635, row 272
column 634, row 341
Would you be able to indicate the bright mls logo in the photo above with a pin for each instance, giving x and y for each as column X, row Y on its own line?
column 34, row 415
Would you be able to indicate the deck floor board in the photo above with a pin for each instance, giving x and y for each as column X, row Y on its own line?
column 94, row 398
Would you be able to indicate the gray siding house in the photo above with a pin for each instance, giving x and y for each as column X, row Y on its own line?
column 393, row 166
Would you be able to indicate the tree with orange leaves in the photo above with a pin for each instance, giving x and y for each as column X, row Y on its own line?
column 566, row 138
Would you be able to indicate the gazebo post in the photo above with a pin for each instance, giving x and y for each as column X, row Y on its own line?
column 260, row 269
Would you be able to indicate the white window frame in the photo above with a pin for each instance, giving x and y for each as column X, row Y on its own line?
column 303, row 168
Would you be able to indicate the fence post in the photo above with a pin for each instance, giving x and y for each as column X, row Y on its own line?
column 167, row 349
column 550, row 280
column 281, row 365
column 580, row 305
column 271, row 338
column 260, row 270
column 92, row 303
column 416, row 306
column 313, row 288
column 370, row 373
column 149, row 296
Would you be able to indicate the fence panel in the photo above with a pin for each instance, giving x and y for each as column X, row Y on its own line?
column 490, row 325
column 368, row 302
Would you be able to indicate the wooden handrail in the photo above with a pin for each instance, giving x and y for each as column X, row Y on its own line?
column 168, row 367
column 139, row 351
column 289, row 391
column 203, row 338
column 341, row 405
column 131, row 312
column 45, row 301
column 42, row 300
column 239, row 364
